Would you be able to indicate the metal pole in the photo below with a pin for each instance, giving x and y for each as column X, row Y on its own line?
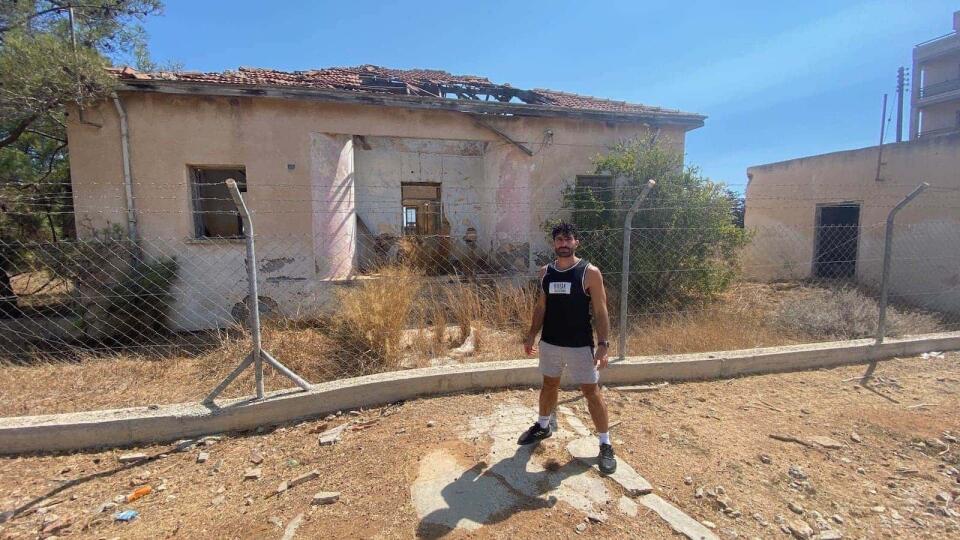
column 253, row 318
column 901, row 76
column 257, row 356
column 625, row 267
column 887, row 256
column 883, row 125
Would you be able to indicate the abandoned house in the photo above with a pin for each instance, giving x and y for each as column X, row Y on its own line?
column 335, row 165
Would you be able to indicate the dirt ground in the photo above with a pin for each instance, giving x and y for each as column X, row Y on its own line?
column 701, row 445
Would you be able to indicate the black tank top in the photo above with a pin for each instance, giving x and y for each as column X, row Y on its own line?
column 566, row 322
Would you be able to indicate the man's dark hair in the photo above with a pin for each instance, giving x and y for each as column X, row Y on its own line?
column 564, row 229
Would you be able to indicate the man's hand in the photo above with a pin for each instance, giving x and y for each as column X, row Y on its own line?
column 600, row 358
column 528, row 347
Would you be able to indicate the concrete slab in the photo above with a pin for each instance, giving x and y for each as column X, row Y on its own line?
column 680, row 522
column 449, row 494
column 586, row 449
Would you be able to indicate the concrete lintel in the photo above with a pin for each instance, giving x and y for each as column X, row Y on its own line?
column 124, row 427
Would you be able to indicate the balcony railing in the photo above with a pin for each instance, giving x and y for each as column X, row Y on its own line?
column 940, row 88
column 941, row 131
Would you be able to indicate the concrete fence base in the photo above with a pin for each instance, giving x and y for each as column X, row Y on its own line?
column 124, row 427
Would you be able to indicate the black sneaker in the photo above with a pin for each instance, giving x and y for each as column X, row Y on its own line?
column 606, row 460
column 535, row 434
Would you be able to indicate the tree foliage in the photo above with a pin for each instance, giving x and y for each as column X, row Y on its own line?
column 685, row 237
column 46, row 64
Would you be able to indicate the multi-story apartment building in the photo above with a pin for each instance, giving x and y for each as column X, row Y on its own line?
column 935, row 100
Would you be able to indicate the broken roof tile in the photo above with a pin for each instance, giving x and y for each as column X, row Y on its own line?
column 376, row 79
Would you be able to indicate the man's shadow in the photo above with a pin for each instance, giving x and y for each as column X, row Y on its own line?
column 488, row 496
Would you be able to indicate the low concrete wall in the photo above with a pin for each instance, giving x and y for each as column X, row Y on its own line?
column 124, row 427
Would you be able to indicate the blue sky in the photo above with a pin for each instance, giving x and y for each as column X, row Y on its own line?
column 777, row 79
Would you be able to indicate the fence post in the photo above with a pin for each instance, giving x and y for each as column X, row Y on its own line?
column 257, row 354
column 887, row 255
column 625, row 267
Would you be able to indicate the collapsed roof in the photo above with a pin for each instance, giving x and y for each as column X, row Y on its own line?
column 414, row 85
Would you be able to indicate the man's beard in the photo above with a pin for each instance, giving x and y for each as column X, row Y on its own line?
column 563, row 252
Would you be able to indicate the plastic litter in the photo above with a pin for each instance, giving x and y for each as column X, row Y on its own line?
column 139, row 492
column 126, row 515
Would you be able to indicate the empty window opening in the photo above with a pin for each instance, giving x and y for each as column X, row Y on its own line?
column 837, row 235
column 422, row 211
column 215, row 214
column 598, row 187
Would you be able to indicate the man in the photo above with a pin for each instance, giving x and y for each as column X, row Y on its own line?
column 569, row 288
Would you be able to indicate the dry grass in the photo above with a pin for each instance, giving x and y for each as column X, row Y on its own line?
column 712, row 329
column 370, row 319
column 401, row 321
column 847, row 313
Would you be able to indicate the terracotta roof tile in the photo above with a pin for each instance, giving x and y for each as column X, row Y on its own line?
column 376, row 79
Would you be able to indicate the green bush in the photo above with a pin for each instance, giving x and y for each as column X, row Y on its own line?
column 685, row 237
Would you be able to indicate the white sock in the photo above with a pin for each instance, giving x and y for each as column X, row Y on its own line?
column 544, row 421
column 604, row 438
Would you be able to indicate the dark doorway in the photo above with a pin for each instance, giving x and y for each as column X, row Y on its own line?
column 838, row 229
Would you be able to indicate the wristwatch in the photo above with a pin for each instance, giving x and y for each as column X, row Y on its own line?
column 605, row 343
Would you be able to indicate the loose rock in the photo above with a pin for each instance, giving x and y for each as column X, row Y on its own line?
column 132, row 458
column 202, row 457
column 326, row 497
column 306, row 477
column 253, row 474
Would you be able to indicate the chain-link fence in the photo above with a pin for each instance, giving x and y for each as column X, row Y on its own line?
column 144, row 320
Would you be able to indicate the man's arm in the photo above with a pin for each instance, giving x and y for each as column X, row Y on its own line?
column 539, row 309
column 601, row 319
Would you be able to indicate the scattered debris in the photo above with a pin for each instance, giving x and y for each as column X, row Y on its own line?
column 253, row 473
column 795, row 508
column 132, row 458
column 282, row 487
column 332, row 436
column 855, row 437
column 431, row 423
column 581, row 528
column 218, row 500
column 306, row 477
column 596, row 517
column 110, row 505
column 326, row 497
column 642, row 387
column 202, row 457
column 139, row 493
column 276, row 521
column 292, row 527
column 800, row 530
column 320, row 428
column 826, row 442
column 126, row 515
column 765, row 459
column 790, row 438
column 256, row 457
column 709, row 524
column 932, row 354
column 359, row 426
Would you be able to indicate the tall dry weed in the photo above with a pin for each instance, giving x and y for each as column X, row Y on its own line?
column 367, row 327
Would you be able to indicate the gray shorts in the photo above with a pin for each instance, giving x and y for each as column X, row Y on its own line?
column 579, row 360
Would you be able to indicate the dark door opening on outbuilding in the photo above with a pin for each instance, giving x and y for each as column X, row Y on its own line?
column 837, row 233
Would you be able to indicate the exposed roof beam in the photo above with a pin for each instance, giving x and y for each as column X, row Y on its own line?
column 503, row 136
